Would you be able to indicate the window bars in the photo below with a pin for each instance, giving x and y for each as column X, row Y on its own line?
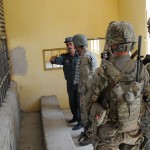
column 4, row 70
column 4, row 65
column 96, row 44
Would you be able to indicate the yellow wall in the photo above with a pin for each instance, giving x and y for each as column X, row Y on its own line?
column 43, row 24
column 134, row 12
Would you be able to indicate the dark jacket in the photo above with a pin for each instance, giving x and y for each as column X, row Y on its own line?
column 69, row 65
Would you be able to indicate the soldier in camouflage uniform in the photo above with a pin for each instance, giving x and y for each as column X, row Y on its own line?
column 146, row 60
column 87, row 65
column 145, row 119
column 148, row 25
column 116, row 115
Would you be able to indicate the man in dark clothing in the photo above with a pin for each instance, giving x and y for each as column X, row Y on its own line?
column 69, row 60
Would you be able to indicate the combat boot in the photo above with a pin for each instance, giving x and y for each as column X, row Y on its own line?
column 78, row 126
column 85, row 141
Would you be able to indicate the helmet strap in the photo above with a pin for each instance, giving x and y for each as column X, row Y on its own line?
column 125, row 47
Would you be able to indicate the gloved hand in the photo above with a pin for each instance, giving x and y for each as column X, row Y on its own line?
column 145, row 98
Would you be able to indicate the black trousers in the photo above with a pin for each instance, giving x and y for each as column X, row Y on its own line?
column 74, row 100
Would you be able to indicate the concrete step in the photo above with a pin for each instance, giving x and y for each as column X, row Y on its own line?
column 31, row 135
column 74, row 134
column 56, row 134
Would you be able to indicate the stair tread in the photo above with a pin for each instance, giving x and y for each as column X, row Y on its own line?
column 57, row 136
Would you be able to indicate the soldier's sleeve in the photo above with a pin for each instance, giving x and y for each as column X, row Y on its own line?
column 148, row 67
column 59, row 60
column 93, row 63
column 146, row 88
column 96, row 84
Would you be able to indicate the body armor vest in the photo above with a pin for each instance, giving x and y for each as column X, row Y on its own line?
column 124, row 100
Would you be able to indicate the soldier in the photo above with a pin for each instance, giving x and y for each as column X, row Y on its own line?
column 145, row 118
column 147, row 57
column 84, row 69
column 118, row 107
column 146, row 60
column 148, row 25
column 69, row 60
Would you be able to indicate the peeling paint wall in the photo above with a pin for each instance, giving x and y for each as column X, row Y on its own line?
column 43, row 24
column 18, row 61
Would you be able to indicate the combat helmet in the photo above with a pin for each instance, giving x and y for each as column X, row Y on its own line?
column 148, row 22
column 121, row 33
column 80, row 40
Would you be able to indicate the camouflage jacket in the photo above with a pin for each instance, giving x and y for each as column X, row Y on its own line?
column 100, row 80
column 88, row 64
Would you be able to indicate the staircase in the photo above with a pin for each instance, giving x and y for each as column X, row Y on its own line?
column 58, row 135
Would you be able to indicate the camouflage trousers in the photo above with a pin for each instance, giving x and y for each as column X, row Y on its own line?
column 145, row 124
column 85, row 105
column 107, row 147
column 147, row 145
column 129, row 138
column 89, row 110
column 145, row 121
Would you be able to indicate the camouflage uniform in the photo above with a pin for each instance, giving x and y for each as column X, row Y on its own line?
column 87, row 66
column 117, row 137
column 148, row 25
column 116, row 119
column 145, row 118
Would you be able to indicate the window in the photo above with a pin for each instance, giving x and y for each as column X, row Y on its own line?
column 48, row 53
column 96, row 45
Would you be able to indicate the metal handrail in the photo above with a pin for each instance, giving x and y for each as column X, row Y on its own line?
column 4, row 60
column 4, row 70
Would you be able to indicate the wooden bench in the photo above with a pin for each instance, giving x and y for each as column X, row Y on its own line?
column 56, row 134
